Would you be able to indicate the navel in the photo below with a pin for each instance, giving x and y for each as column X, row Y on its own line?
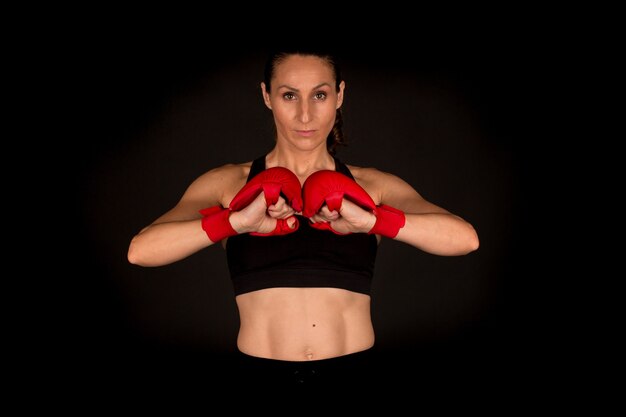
column 308, row 353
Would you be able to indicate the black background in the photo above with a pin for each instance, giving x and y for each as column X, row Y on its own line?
column 452, row 118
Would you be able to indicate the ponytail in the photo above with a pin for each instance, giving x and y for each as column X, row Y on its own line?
column 335, row 137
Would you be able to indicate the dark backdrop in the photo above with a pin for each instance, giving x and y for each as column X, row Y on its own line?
column 155, row 115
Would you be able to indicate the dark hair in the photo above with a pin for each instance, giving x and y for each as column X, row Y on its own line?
column 335, row 137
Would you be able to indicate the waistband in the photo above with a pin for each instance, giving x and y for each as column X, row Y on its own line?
column 351, row 359
column 351, row 369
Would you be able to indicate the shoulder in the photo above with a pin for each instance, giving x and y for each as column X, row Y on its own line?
column 383, row 186
column 219, row 183
column 386, row 188
column 375, row 181
column 225, row 174
column 366, row 173
column 373, row 176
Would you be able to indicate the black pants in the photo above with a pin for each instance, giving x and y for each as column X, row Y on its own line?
column 344, row 372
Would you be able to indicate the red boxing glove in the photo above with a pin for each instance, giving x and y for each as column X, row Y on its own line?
column 271, row 182
column 330, row 187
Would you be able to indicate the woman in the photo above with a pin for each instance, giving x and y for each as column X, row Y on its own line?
column 301, row 283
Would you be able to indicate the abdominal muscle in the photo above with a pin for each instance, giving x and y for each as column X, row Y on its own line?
column 302, row 324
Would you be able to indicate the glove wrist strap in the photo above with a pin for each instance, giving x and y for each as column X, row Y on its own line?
column 389, row 221
column 216, row 224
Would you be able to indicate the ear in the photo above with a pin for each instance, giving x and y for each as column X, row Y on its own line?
column 266, row 96
column 342, row 86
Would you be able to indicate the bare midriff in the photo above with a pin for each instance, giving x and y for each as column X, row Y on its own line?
column 302, row 324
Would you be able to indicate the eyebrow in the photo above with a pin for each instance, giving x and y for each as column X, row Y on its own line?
column 297, row 91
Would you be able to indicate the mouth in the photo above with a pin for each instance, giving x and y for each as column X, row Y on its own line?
column 305, row 133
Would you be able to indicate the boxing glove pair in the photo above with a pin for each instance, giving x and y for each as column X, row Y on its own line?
column 322, row 187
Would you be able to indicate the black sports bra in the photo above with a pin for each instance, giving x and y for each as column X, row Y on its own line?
column 306, row 258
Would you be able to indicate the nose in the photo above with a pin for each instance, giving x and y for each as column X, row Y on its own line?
column 304, row 112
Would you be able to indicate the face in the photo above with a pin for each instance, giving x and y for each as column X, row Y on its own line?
column 304, row 100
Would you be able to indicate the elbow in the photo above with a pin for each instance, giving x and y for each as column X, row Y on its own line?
column 466, row 243
column 135, row 253
column 473, row 243
column 141, row 252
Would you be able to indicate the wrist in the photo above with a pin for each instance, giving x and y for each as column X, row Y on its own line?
column 389, row 221
column 216, row 223
column 236, row 222
column 371, row 222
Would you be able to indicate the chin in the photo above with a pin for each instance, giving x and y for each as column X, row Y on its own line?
column 308, row 145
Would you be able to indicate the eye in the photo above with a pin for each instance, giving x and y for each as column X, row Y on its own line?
column 320, row 95
column 289, row 96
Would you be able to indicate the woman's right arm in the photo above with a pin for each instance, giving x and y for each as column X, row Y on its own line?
column 178, row 233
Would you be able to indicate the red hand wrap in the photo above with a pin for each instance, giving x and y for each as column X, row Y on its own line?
column 389, row 221
column 216, row 224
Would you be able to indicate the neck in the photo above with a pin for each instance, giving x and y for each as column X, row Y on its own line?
column 301, row 163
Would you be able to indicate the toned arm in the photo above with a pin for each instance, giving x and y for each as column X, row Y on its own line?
column 428, row 227
column 178, row 233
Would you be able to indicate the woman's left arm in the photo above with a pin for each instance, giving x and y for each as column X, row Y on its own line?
column 428, row 227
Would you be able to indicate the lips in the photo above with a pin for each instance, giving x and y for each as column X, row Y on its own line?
column 305, row 133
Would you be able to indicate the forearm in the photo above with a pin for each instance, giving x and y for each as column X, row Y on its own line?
column 164, row 243
column 439, row 233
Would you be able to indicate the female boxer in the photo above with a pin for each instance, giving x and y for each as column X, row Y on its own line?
column 301, row 230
